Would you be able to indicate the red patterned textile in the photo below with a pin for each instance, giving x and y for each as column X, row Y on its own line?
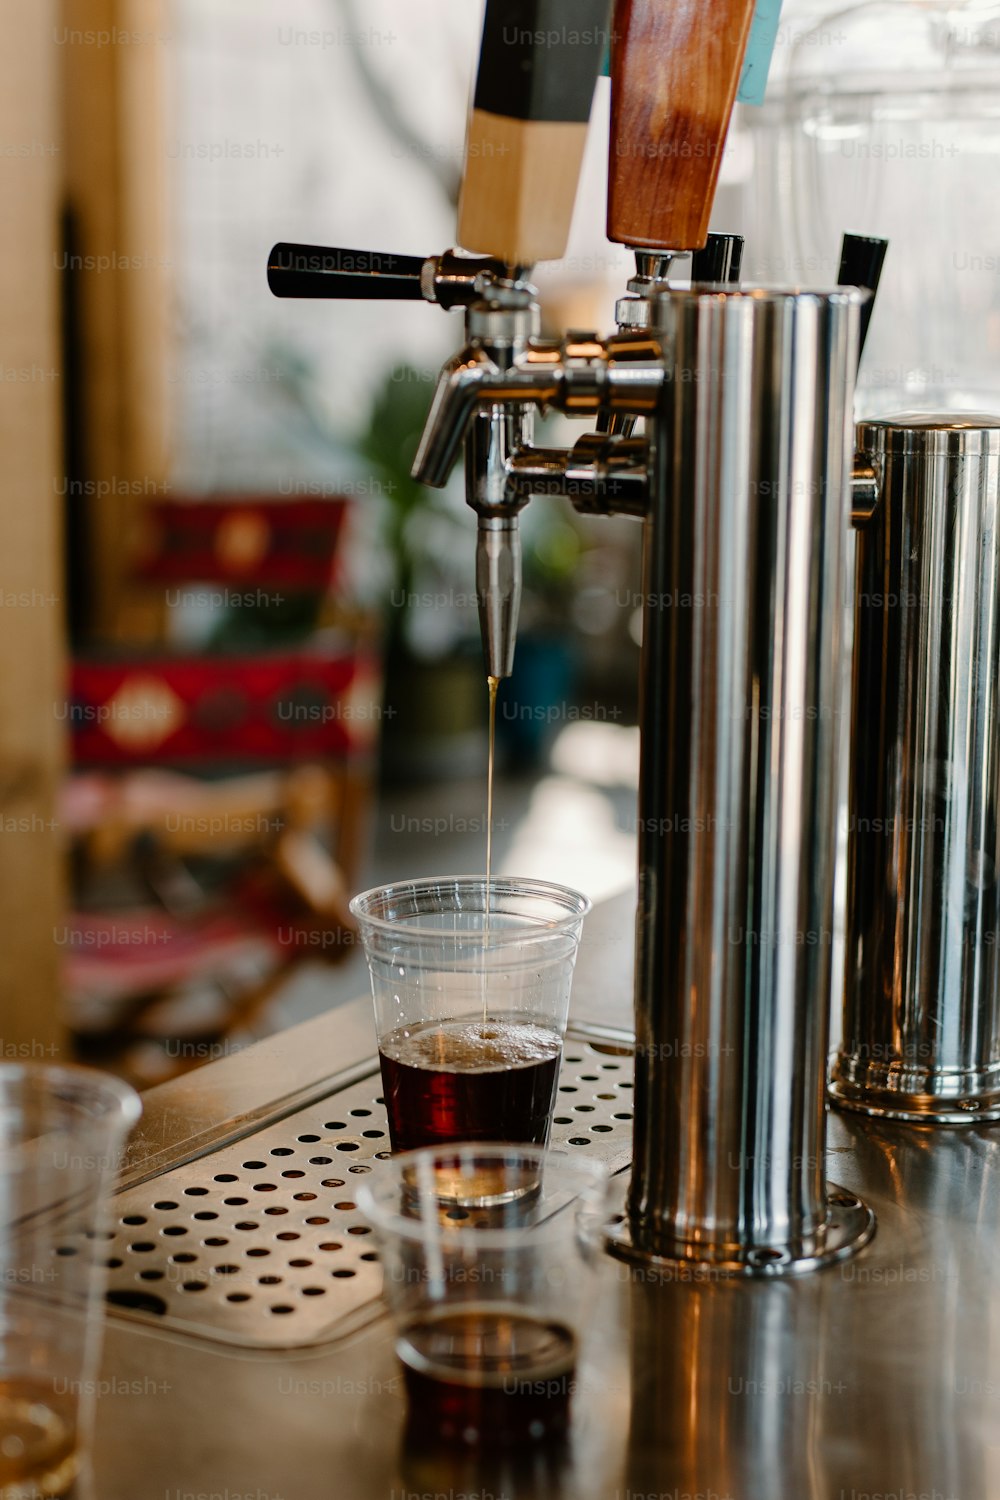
column 286, row 706
column 236, row 540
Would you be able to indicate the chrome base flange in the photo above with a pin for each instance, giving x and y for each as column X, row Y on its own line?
column 849, row 1226
column 914, row 1109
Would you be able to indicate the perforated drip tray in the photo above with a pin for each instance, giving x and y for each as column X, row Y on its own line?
column 260, row 1243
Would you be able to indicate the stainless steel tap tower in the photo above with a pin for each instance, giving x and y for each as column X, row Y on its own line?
column 743, row 482
column 745, row 537
column 746, row 473
column 921, row 1032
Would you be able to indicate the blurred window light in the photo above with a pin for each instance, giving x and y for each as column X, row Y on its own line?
column 570, row 835
column 606, row 755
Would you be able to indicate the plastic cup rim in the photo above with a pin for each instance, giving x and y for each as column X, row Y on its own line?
column 119, row 1101
column 389, row 1221
column 515, row 884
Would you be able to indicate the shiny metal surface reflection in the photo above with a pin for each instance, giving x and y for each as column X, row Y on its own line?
column 878, row 1376
column 864, row 1381
column 741, row 705
column 921, row 1034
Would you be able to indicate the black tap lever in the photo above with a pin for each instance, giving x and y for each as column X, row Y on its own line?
column 450, row 280
column 861, row 259
column 719, row 261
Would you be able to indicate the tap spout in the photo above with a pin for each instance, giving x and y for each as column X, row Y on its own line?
column 456, row 396
column 488, row 394
column 498, row 589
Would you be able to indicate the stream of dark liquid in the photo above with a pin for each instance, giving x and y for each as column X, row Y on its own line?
column 492, row 683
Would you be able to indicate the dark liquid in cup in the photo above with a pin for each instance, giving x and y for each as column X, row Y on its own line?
column 488, row 1374
column 470, row 1080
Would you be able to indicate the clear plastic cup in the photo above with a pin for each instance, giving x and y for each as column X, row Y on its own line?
column 61, row 1135
column 470, row 1004
column 491, row 1304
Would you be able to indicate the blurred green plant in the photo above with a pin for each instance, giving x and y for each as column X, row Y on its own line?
column 419, row 525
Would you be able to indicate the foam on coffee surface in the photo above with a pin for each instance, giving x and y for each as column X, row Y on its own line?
column 475, row 1046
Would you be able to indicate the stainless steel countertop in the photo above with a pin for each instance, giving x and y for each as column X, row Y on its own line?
column 879, row 1377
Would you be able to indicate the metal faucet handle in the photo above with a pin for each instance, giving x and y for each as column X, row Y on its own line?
column 718, row 261
column 449, row 280
column 652, row 270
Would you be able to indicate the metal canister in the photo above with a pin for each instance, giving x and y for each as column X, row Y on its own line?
column 741, row 690
column 921, row 1022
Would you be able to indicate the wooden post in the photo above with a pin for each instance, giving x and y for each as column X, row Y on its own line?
column 31, row 616
column 115, row 184
column 81, row 123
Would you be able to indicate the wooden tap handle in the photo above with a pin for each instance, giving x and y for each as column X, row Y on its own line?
column 534, row 88
column 675, row 68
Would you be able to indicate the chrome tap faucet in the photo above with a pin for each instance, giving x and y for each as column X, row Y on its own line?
column 501, row 321
column 499, row 329
column 743, row 482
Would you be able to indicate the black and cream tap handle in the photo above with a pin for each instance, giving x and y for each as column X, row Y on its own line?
column 538, row 65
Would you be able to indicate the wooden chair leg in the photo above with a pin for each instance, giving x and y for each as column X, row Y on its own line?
column 352, row 826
